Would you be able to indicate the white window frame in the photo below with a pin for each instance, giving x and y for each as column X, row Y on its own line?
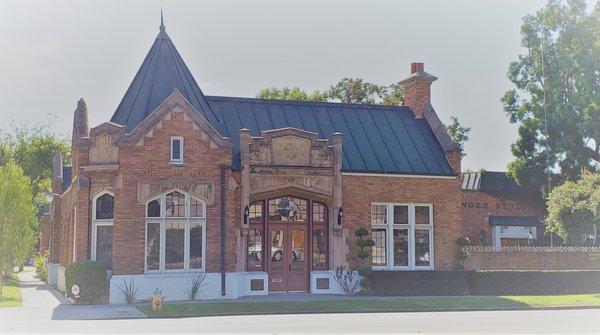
column 99, row 222
column 389, row 227
column 180, row 160
column 162, row 220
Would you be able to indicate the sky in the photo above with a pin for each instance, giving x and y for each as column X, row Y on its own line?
column 54, row 52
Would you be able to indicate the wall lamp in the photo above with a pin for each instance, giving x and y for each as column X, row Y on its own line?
column 246, row 214
column 340, row 216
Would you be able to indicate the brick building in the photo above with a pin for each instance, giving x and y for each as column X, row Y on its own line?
column 257, row 195
column 496, row 211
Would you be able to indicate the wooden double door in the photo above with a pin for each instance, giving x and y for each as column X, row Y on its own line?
column 288, row 257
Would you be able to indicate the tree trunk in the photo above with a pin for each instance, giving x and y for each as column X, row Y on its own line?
column 1, row 280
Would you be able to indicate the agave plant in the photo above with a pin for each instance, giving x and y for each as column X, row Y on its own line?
column 197, row 284
column 128, row 290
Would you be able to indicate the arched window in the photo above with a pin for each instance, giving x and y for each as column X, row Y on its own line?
column 175, row 233
column 103, row 213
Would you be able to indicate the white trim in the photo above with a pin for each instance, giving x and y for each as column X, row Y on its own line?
column 394, row 175
column 389, row 227
column 162, row 220
column 180, row 160
column 99, row 222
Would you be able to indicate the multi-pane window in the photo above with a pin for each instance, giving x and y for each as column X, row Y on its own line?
column 176, row 150
column 403, row 235
column 255, row 237
column 319, row 236
column 102, row 228
column 175, row 224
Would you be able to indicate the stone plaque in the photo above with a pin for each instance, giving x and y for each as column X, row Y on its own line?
column 291, row 150
column 102, row 150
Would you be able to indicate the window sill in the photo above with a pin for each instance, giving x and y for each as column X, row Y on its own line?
column 158, row 273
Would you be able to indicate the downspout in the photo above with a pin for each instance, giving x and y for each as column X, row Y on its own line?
column 223, row 171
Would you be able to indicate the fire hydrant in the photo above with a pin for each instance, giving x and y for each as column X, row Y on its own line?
column 156, row 300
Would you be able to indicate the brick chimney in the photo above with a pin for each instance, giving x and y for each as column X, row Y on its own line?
column 417, row 88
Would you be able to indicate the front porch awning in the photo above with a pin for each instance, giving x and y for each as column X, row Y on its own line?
column 521, row 221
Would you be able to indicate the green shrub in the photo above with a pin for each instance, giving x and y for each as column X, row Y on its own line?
column 361, row 232
column 90, row 276
column 413, row 283
column 407, row 283
column 40, row 261
column 533, row 282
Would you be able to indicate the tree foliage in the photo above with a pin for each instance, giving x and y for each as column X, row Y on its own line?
column 32, row 147
column 558, row 76
column 287, row 93
column 574, row 209
column 458, row 133
column 17, row 218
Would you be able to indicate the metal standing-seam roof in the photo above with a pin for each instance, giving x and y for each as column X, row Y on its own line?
column 377, row 139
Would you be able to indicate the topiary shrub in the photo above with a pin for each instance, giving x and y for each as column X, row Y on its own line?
column 91, row 278
column 463, row 241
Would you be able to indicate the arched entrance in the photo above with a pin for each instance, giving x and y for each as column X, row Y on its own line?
column 288, row 238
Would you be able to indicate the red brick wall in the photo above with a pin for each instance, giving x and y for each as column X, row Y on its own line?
column 476, row 206
column 514, row 259
column 129, row 226
column 358, row 192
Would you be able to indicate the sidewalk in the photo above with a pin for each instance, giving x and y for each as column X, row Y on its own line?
column 41, row 303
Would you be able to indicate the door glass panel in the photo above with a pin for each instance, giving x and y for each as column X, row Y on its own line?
column 400, row 247
column 422, row 257
column 277, row 249
column 174, row 244
column 104, row 245
column 297, row 250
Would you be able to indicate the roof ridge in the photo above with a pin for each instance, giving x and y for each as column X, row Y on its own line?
column 305, row 102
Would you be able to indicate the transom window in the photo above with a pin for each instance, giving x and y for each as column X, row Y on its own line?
column 175, row 233
column 403, row 236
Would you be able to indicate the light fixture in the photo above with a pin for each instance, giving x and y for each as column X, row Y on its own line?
column 340, row 216
column 246, row 214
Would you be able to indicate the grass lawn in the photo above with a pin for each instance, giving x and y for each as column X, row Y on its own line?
column 374, row 305
column 11, row 293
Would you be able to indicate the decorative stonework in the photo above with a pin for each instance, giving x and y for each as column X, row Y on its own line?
column 102, row 149
column 148, row 190
column 261, row 183
column 291, row 150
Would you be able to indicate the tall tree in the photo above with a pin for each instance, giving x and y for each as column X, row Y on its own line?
column 458, row 133
column 556, row 99
column 31, row 146
column 287, row 93
column 574, row 209
column 17, row 219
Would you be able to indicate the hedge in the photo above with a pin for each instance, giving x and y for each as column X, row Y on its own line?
column 407, row 283
column 419, row 283
column 91, row 278
column 533, row 282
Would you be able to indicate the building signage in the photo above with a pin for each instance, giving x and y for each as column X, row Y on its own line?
column 497, row 206
column 175, row 173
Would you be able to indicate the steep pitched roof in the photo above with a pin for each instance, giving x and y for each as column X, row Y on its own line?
column 162, row 71
column 378, row 139
column 489, row 181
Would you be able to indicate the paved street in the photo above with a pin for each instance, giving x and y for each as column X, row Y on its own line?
column 45, row 311
column 508, row 322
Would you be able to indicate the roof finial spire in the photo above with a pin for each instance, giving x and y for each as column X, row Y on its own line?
column 162, row 21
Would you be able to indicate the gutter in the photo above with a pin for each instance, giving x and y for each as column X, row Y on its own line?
column 223, row 171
